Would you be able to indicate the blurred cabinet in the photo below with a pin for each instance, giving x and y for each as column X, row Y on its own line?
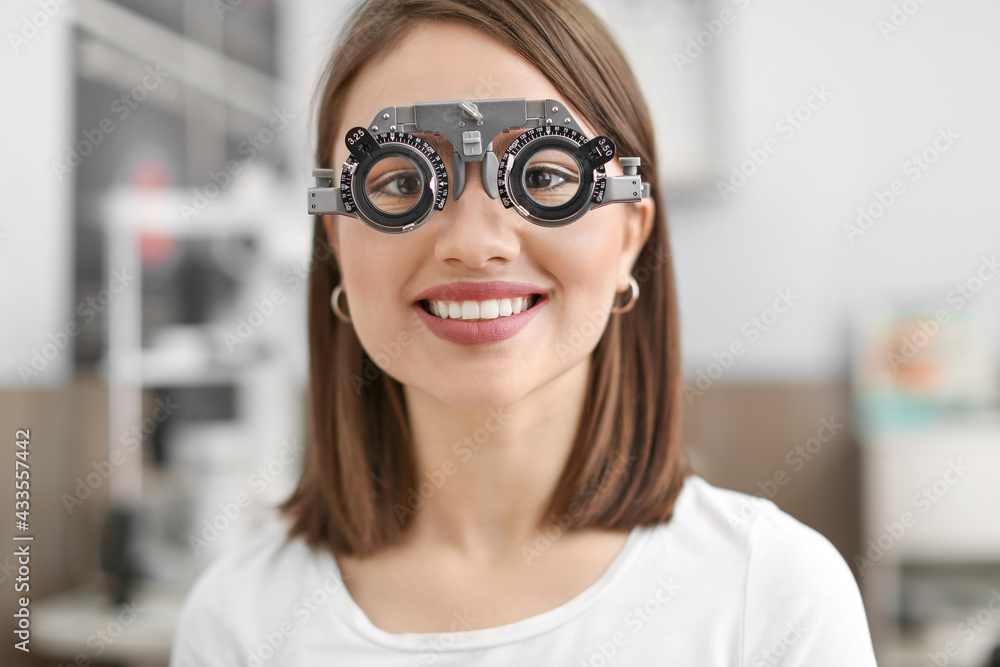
column 225, row 382
column 233, row 363
column 191, row 262
column 930, row 551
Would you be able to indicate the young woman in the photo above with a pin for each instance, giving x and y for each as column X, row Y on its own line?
column 494, row 474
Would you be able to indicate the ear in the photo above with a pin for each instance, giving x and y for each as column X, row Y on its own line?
column 638, row 227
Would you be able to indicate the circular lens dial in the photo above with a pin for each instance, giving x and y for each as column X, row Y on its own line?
column 395, row 183
column 549, row 177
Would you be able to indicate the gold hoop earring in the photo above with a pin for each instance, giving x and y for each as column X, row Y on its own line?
column 633, row 297
column 335, row 305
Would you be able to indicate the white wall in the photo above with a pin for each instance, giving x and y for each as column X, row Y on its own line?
column 784, row 228
column 36, row 233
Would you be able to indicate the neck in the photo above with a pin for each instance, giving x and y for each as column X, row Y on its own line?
column 486, row 477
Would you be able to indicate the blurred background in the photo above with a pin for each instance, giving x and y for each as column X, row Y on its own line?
column 831, row 173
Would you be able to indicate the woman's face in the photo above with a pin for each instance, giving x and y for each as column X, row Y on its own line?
column 576, row 268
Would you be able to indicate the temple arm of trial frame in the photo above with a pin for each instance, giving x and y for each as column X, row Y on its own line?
column 325, row 197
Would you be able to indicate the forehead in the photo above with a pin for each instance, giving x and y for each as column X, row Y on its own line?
column 438, row 62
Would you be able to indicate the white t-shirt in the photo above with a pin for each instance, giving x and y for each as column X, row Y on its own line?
column 730, row 581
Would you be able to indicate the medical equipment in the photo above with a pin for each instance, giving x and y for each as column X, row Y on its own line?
column 549, row 170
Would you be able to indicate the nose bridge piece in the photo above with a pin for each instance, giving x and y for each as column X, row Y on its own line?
column 458, row 167
column 490, row 168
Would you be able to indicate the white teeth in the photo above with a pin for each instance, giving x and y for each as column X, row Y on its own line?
column 470, row 310
column 489, row 309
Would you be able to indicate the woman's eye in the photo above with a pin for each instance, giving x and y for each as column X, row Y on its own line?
column 400, row 184
column 548, row 177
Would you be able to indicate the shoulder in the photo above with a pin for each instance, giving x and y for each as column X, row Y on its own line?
column 748, row 527
column 248, row 565
column 794, row 587
column 248, row 590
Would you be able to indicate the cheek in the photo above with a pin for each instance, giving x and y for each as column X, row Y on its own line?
column 359, row 265
column 375, row 270
column 585, row 256
column 584, row 262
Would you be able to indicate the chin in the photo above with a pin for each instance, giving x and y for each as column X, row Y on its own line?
column 473, row 395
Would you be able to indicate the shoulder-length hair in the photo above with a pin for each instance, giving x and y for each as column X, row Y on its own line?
column 626, row 466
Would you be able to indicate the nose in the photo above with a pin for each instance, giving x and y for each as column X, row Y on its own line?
column 476, row 231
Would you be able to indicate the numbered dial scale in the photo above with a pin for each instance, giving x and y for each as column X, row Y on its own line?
column 550, row 173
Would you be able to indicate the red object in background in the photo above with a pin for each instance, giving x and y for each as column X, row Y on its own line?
column 155, row 249
column 149, row 175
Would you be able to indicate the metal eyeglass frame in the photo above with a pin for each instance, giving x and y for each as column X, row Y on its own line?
column 473, row 126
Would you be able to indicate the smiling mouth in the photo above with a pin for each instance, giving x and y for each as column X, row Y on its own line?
column 479, row 311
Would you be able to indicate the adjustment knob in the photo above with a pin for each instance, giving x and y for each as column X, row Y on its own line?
column 630, row 165
column 324, row 177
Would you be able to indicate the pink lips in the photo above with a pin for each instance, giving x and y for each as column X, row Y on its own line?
column 485, row 331
column 480, row 291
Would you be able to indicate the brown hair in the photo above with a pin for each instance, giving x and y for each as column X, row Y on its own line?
column 626, row 466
